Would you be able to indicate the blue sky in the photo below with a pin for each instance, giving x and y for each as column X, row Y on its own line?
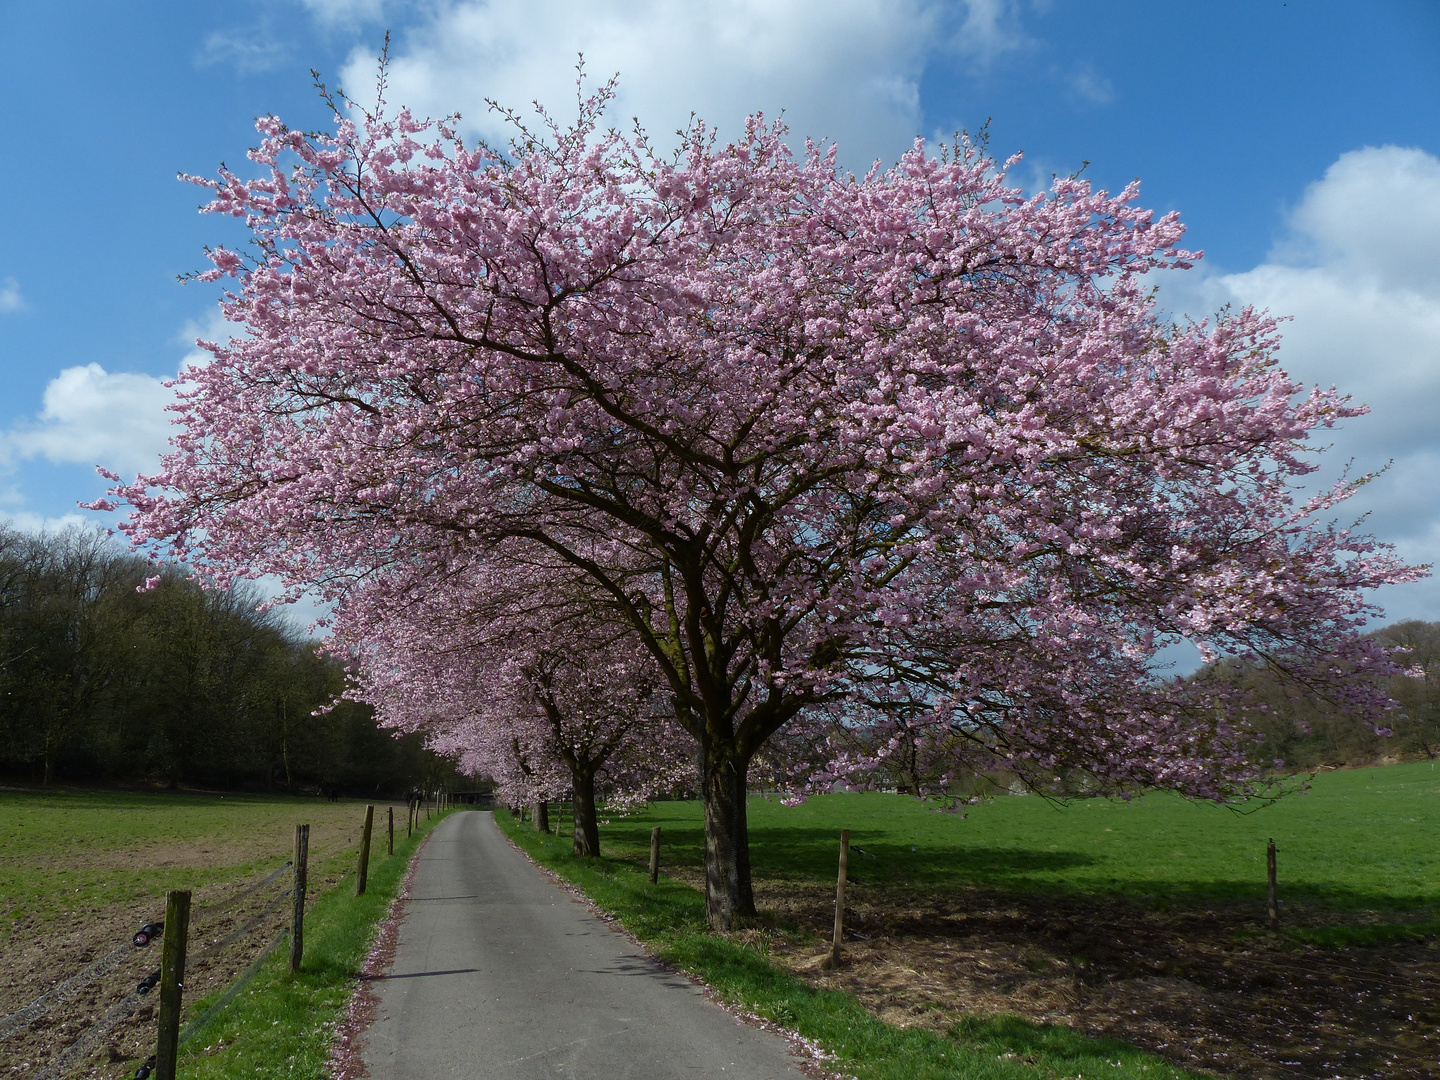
column 1300, row 141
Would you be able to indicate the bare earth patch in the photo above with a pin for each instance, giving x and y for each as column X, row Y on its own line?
column 1203, row 987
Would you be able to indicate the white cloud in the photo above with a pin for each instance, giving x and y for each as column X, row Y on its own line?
column 27, row 522
column 1358, row 275
column 1092, row 87
column 1376, row 218
column 990, row 29
column 10, row 298
column 345, row 12
column 845, row 69
column 248, row 51
column 93, row 417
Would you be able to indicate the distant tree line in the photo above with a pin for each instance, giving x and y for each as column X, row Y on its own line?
column 1303, row 730
column 1298, row 729
column 100, row 682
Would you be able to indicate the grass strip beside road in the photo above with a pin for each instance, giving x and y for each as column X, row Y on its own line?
column 669, row 918
column 283, row 1024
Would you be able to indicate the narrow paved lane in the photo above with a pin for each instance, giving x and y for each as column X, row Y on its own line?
column 501, row 974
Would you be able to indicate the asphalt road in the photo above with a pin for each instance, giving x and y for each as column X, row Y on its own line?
column 501, row 974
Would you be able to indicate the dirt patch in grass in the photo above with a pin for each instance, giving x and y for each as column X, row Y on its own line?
column 1205, row 987
column 41, row 951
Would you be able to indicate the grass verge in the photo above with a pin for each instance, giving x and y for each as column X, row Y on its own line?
column 283, row 1024
column 669, row 919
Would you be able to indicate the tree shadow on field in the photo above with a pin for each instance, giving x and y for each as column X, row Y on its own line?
column 801, row 854
column 797, row 853
column 1204, row 984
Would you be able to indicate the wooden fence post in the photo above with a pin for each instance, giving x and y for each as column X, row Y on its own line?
column 654, row 854
column 840, row 898
column 390, row 841
column 297, row 896
column 363, row 870
column 172, row 978
column 1272, row 899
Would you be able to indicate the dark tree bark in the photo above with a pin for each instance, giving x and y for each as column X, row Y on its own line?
column 587, row 824
column 729, row 895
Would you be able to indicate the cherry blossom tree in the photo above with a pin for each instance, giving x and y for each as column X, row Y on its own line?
column 816, row 438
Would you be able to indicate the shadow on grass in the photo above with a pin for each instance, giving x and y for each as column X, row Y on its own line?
column 801, row 853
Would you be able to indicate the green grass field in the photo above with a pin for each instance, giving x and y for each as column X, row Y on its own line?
column 68, row 855
column 87, row 866
column 1360, row 839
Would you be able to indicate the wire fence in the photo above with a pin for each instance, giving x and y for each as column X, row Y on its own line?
column 217, row 921
column 95, row 1035
column 70, row 988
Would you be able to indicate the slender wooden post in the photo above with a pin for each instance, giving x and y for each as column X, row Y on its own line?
column 654, row 854
column 297, row 896
column 172, row 978
column 363, row 870
column 390, row 838
column 840, row 898
column 1272, row 899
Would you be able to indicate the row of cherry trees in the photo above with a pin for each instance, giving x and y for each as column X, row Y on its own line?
column 525, row 682
column 648, row 459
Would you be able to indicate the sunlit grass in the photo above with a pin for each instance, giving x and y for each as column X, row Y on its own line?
column 70, row 854
column 1359, row 845
column 1361, row 839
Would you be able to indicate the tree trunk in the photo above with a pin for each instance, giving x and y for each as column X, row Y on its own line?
column 587, row 826
column 729, row 896
column 540, row 815
column 742, row 841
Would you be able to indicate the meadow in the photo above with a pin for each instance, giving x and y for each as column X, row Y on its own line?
column 1358, row 840
column 79, row 854
column 1025, row 938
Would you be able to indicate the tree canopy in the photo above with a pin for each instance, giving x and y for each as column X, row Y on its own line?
column 912, row 447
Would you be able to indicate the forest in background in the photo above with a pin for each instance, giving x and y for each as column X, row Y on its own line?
column 1304, row 732
column 101, row 683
